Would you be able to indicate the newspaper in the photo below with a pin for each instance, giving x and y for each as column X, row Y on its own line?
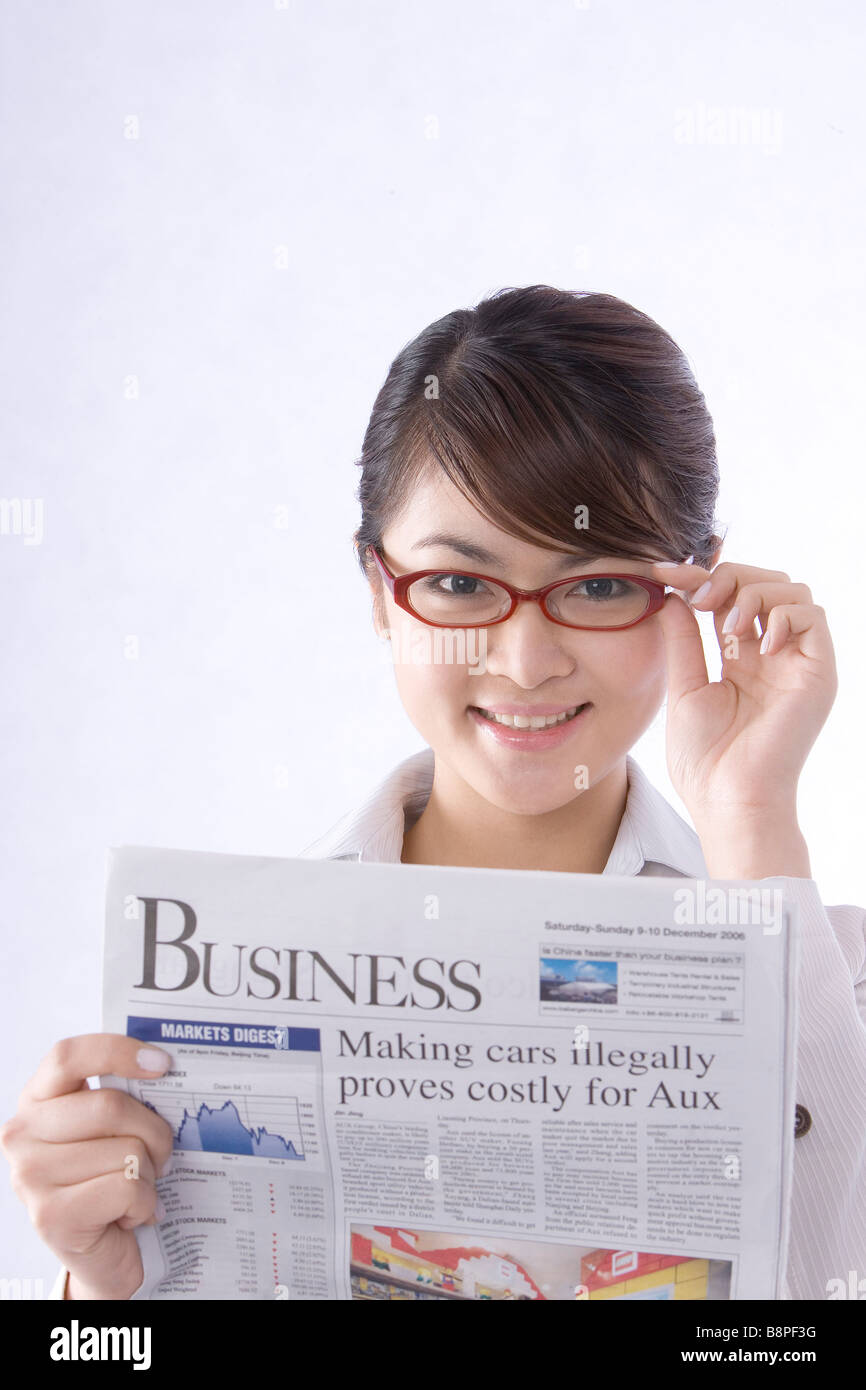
column 412, row 1082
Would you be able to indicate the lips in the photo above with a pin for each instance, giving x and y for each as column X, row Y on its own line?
column 507, row 707
column 527, row 717
column 527, row 739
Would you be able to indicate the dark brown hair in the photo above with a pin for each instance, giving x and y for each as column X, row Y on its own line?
column 538, row 400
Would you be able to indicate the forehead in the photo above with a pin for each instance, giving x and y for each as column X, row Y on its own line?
column 437, row 510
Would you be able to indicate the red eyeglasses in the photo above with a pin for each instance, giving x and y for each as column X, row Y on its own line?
column 488, row 601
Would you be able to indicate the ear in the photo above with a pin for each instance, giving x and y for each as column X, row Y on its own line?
column 374, row 579
column 383, row 632
column 714, row 558
column 380, row 620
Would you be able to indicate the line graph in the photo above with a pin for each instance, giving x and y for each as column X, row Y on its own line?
column 256, row 1125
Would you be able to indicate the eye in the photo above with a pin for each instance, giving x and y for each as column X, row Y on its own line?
column 452, row 597
column 602, row 588
column 582, row 601
column 455, row 584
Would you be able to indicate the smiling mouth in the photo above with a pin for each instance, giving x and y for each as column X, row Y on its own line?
column 525, row 721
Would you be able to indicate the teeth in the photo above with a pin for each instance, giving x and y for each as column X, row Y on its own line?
column 525, row 721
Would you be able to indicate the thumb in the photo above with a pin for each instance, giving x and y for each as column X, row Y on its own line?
column 684, row 648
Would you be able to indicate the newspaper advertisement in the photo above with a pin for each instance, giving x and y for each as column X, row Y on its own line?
column 395, row 1081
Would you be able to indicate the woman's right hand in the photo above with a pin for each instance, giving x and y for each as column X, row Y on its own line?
column 85, row 1162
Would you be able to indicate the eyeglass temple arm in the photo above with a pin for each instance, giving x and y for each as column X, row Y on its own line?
column 390, row 579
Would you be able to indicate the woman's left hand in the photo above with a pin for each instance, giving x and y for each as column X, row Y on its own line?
column 737, row 745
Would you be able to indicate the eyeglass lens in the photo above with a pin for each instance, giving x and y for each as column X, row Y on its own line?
column 456, row 599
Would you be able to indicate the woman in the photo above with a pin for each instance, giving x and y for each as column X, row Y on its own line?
column 539, row 438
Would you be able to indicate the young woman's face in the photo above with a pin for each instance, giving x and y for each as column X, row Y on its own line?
column 530, row 662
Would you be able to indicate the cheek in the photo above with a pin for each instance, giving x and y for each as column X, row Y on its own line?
column 424, row 685
column 427, row 686
column 647, row 661
column 632, row 667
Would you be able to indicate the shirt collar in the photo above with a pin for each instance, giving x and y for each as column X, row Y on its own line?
column 652, row 837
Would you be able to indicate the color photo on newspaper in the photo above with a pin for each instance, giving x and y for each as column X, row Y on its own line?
column 396, row 1263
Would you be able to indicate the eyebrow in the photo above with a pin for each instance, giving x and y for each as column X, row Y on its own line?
column 486, row 557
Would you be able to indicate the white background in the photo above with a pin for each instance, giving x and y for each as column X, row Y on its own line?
column 310, row 186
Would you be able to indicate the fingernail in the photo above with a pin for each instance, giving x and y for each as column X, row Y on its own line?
column 701, row 592
column 731, row 620
column 152, row 1059
column 765, row 642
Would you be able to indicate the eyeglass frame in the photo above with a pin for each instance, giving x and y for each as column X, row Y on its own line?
column 398, row 584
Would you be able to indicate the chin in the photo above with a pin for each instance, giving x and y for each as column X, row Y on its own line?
column 529, row 793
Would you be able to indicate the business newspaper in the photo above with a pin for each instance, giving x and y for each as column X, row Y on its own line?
column 410, row 1082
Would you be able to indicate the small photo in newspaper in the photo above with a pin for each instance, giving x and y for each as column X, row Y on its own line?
column 400, row 1264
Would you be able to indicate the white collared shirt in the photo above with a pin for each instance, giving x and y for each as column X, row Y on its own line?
column 828, row 1200
column 652, row 837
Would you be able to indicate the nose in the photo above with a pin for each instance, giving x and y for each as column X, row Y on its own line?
column 528, row 649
